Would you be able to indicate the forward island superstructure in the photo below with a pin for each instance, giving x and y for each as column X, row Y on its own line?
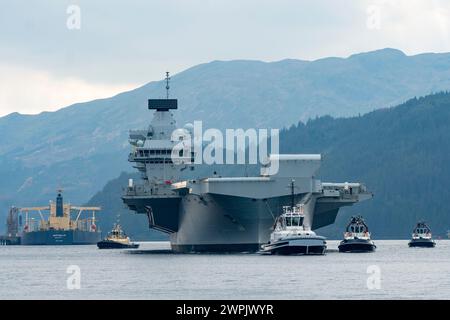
column 224, row 214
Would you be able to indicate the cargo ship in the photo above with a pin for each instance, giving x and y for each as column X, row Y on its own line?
column 64, row 225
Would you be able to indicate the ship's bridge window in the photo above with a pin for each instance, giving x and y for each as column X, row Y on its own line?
column 288, row 222
column 294, row 221
column 297, row 221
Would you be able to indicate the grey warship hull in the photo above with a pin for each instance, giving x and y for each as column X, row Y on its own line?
column 208, row 222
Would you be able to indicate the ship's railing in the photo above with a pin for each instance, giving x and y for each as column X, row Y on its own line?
column 33, row 225
column 84, row 224
column 157, row 156
column 138, row 190
column 343, row 190
column 359, row 235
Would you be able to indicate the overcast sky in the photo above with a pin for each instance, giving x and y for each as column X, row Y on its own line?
column 46, row 65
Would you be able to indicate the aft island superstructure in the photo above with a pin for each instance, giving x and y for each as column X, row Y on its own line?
column 224, row 213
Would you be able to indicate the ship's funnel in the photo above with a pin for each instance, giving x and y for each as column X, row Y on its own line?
column 59, row 206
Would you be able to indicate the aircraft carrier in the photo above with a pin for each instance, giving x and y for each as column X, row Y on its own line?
column 224, row 214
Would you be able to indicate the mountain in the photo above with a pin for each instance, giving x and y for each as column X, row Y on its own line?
column 402, row 154
column 81, row 147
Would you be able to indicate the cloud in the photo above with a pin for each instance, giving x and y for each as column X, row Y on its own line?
column 121, row 43
column 31, row 91
column 416, row 26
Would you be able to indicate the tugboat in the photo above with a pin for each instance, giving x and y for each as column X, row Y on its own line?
column 421, row 236
column 117, row 239
column 291, row 236
column 357, row 237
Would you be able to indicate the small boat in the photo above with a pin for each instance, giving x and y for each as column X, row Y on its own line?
column 117, row 239
column 291, row 236
column 357, row 237
column 421, row 236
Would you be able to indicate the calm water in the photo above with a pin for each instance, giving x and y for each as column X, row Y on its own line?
column 40, row 273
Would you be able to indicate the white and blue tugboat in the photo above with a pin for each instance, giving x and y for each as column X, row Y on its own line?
column 421, row 236
column 357, row 237
column 291, row 235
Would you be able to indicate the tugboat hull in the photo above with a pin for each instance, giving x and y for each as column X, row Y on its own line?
column 116, row 245
column 356, row 246
column 310, row 246
column 422, row 243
